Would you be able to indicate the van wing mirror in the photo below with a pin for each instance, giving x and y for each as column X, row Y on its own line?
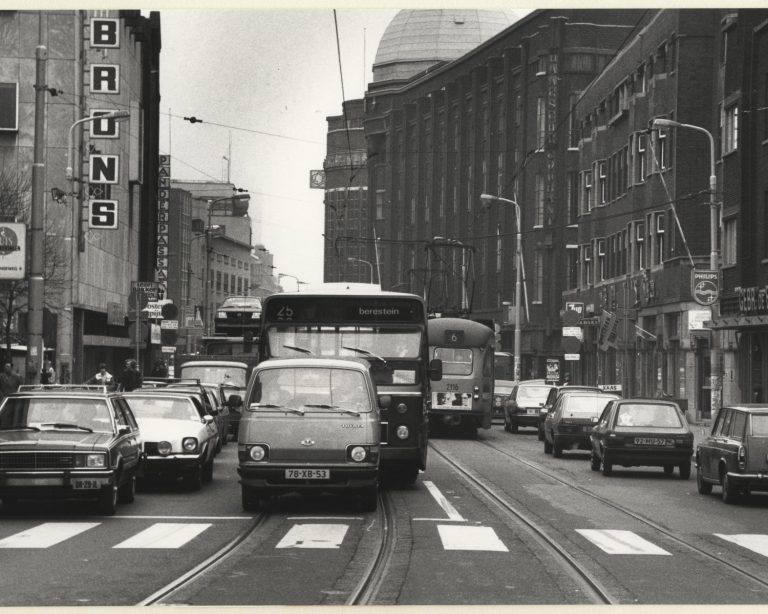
column 385, row 401
column 435, row 370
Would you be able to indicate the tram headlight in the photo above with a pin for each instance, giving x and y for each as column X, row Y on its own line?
column 257, row 453
column 402, row 432
column 402, row 408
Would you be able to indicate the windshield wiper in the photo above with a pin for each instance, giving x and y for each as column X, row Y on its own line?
column 298, row 349
column 341, row 409
column 366, row 353
column 19, row 428
column 273, row 406
column 65, row 425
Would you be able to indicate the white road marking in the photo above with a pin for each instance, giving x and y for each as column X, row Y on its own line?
column 751, row 541
column 314, row 536
column 182, row 517
column 164, row 535
column 620, row 542
column 470, row 538
column 443, row 502
column 46, row 535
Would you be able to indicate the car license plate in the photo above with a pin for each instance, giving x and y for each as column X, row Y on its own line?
column 587, row 429
column 653, row 441
column 307, row 474
column 87, row 483
column 532, row 410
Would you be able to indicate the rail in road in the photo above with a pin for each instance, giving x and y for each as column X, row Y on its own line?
column 754, row 579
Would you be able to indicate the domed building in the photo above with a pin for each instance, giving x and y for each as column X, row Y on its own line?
column 416, row 40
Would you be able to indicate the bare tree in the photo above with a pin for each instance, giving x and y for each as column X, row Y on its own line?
column 15, row 206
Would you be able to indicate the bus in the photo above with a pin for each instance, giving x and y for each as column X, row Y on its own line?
column 463, row 398
column 389, row 331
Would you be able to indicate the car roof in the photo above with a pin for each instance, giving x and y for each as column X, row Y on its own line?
column 64, row 390
column 749, row 407
column 646, row 400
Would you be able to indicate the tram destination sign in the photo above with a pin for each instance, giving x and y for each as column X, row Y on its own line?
column 343, row 309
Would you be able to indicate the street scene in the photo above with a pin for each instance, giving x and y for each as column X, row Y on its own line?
column 319, row 307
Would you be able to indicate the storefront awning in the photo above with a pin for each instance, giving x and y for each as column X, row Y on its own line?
column 738, row 322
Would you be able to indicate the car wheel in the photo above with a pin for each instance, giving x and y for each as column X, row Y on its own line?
column 513, row 427
column 704, row 488
column 208, row 471
column 685, row 471
column 557, row 448
column 369, row 498
column 194, row 479
column 729, row 494
column 507, row 424
column 606, row 466
column 108, row 501
column 594, row 463
column 541, row 434
column 219, row 445
column 127, row 492
column 669, row 469
column 250, row 500
column 547, row 446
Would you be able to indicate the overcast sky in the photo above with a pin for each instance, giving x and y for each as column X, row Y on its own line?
column 267, row 79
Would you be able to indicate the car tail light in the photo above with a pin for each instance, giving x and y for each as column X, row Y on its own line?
column 742, row 457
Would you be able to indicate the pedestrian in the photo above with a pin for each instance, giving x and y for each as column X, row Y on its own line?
column 102, row 378
column 9, row 381
column 48, row 373
column 160, row 369
column 130, row 378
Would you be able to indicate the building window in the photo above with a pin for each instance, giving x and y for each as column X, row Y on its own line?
column 499, row 249
column 587, row 205
column 500, row 173
column 602, row 176
column 640, row 80
column 729, row 137
column 541, row 123
column 729, row 242
column 9, row 107
column 639, row 246
column 539, row 200
column 538, row 266
column 661, row 223
column 572, row 262
column 572, row 197
column 586, row 258
column 601, row 258
column 640, row 158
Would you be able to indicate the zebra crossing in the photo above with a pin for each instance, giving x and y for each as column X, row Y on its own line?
column 330, row 534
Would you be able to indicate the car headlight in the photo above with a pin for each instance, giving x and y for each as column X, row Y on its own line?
column 358, row 454
column 255, row 315
column 189, row 444
column 95, row 461
column 164, row 448
column 257, row 453
column 402, row 432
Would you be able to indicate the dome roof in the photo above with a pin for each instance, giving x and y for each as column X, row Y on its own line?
column 417, row 39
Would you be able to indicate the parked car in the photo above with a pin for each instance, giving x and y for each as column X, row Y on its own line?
column 68, row 442
column 572, row 419
column 554, row 393
column 525, row 403
column 502, row 388
column 179, row 437
column 642, row 432
column 735, row 454
column 310, row 425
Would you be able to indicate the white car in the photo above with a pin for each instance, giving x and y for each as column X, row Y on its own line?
column 179, row 436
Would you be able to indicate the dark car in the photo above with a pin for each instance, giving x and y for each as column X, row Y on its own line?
column 69, row 442
column 553, row 395
column 525, row 403
column 735, row 454
column 642, row 432
column 572, row 419
column 238, row 315
column 502, row 388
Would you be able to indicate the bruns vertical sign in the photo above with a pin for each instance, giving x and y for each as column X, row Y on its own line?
column 103, row 169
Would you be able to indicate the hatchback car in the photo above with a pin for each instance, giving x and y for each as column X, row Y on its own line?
column 310, row 425
column 524, row 405
column 554, row 393
column 642, row 432
column 735, row 454
column 179, row 437
column 502, row 388
column 68, row 442
column 572, row 419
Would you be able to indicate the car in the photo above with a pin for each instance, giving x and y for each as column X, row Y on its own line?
column 571, row 420
column 524, row 405
column 238, row 315
column 554, row 393
column 640, row 432
column 219, row 401
column 735, row 453
column 310, row 425
column 179, row 436
column 501, row 391
column 69, row 442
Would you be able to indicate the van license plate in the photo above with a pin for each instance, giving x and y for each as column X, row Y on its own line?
column 307, row 474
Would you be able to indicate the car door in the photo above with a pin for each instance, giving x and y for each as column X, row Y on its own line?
column 211, row 430
column 130, row 444
column 598, row 434
column 734, row 439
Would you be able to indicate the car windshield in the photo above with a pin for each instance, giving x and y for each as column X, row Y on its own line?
column 647, row 415
column 242, row 302
column 583, row 406
column 166, row 409
column 59, row 413
column 760, row 425
column 533, row 394
column 215, row 374
column 502, row 391
column 311, row 389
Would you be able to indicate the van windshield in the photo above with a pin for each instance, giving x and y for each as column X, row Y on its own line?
column 311, row 389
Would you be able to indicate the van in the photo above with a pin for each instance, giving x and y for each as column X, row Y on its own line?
column 310, row 425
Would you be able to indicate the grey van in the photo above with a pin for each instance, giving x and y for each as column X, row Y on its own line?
column 309, row 425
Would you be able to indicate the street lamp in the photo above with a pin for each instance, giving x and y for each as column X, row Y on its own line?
column 714, row 352
column 299, row 283
column 489, row 198
column 353, row 259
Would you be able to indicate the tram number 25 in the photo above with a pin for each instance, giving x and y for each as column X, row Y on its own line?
column 102, row 214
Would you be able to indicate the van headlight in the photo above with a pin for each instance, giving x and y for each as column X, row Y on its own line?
column 257, row 453
column 358, row 454
column 402, row 432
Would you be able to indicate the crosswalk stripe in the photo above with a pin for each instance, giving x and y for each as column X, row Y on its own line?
column 470, row 538
column 620, row 542
column 164, row 535
column 314, row 536
column 46, row 535
column 751, row 541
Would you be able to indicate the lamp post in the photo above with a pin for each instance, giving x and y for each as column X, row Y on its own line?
column 353, row 259
column 488, row 198
column 714, row 351
column 298, row 281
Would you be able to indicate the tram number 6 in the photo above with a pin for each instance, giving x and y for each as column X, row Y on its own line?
column 102, row 214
